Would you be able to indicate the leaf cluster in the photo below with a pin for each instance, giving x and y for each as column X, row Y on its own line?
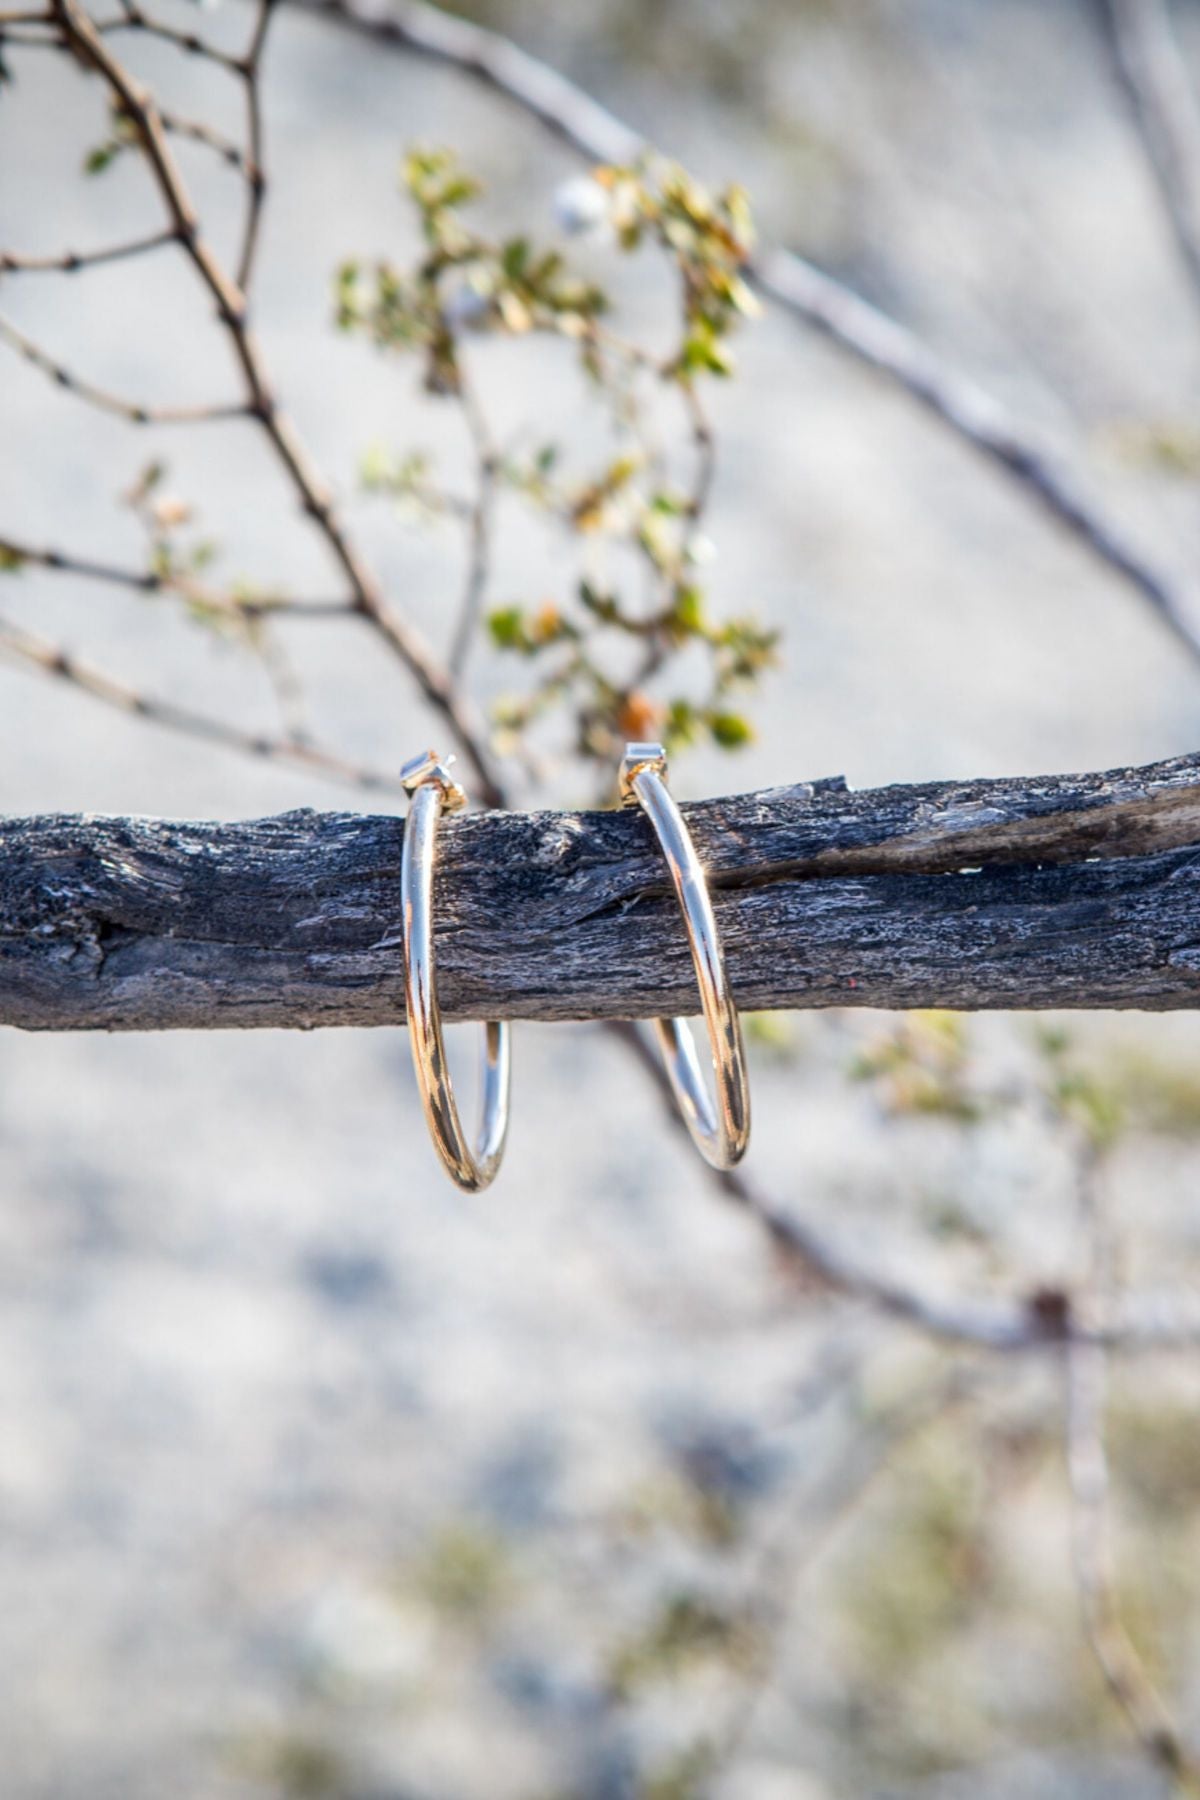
column 598, row 654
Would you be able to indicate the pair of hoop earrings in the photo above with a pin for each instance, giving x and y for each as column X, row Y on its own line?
column 720, row 1134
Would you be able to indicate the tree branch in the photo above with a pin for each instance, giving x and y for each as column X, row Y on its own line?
column 235, row 603
column 22, row 646
column 1146, row 57
column 138, row 105
column 133, row 18
column 1086, row 1380
column 824, row 897
column 1122, row 1667
column 124, row 923
column 199, row 133
column 256, row 179
column 482, row 510
column 104, row 400
column 69, row 262
column 1061, row 892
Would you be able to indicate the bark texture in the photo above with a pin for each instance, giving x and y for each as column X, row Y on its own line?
column 1062, row 891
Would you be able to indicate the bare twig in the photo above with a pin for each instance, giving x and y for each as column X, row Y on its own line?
column 27, row 40
column 138, row 106
column 152, row 581
column 705, row 473
column 1146, row 57
column 256, row 179
column 200, row 133
column 22, row 646
column 286, row 684
column 70, row 261
column 1116, row 1655
column 1122, row 1667
column 820, row 1264
column 818, row 299
column 106, row 401
column 996, row 1325
column 247, row 68
column 480, row 527
column 133, row 18
column 796, row 1543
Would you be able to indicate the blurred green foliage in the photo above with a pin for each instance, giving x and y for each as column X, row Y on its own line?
column 596, row 655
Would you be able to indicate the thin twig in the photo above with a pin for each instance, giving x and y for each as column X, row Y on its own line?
column 480, row 528
column 22, row 646
column 1145, row 54
column 1120, row 1664
column 994, row 1324
column 133, row 18
column 286, row 684
column 152, row 581
column 107, row 401
column 705, row 448
column 138, row 106
column 821, row 301
column 199, row 133
column 1116, row 1655
column 68, row 262
column 796, row 1544
column 256, row 179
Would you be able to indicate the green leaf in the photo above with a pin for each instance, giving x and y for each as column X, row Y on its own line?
column 703, row 351
column 10, row 560
column 99, row 159
column 507, row 626
column 688, row 609
column 730, row 730
column 743, row 297
column 681, row 724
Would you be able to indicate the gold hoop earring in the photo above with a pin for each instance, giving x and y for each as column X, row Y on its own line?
column 433, row 791
column 720, row 1136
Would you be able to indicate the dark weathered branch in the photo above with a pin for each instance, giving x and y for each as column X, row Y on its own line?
column 824, row 896
column 1066, row 891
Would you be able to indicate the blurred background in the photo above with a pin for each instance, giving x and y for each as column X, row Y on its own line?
column 320, row 1482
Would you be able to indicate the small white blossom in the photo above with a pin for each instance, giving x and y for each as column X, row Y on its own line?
column 581, row 206
column 467, row 305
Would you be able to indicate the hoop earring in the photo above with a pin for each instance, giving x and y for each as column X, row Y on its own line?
column 720, row 1136
column 434, row 791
